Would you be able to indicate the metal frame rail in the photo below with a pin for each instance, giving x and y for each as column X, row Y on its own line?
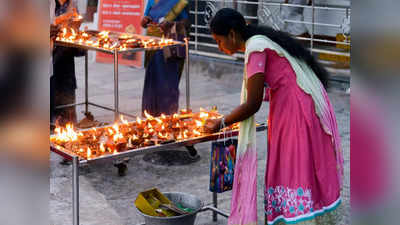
column 202, row 31
column 115, row 52
column 76, row 162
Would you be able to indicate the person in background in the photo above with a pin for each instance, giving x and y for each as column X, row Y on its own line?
column 168, row 19
column 304, row 169
column 163, row 73
column 63, row 80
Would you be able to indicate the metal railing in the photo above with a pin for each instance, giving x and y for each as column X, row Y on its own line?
column 269, row 13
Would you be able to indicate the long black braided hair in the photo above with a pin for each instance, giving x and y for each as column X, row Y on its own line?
column 226, row 19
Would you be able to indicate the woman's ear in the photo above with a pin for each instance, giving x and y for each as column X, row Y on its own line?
column 232, row 36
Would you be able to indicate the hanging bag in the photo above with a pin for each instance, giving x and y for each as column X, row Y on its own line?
column 222, row 165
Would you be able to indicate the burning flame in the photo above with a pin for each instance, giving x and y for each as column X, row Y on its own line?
column 198, row 123
column 179, row 137
column 163, row 117
column 67, row 134
column 175, row 116
column 203, row 115
column 148, row 116
column 110, row 131
column 130, row 145
column 138, row 120
column 196, row 132
column 123, row 120
column 102, row 149
column 114, row 45
column 162, row 136
column 164, row 41
column 122, row 47
column 124, row 36
column 117, row 136
column 131, row 40
column 73, row 32
column 158, row 120
column 116, row 127
column 104, row 34
column 89, row 153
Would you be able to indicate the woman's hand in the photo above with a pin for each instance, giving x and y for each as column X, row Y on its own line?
column 145, row 21
column 63, row 18
column 54, row 31
column 212, row 125
column 166, row 26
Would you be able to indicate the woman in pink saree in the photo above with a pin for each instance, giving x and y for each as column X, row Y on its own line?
column 304, row 161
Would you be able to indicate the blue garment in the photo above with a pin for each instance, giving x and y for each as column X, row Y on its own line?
column 161, row 9
column 150, row 3
column 161, row 85
column 183, row 15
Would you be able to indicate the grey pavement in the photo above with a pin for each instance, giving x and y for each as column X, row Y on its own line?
column 106, row 198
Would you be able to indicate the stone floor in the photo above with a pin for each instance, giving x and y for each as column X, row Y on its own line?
column 106, row 198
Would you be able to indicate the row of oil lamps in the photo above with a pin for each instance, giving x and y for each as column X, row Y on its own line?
column 103, row 40
column 119, row 137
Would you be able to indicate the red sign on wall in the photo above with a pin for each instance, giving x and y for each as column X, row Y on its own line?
column 121, row 16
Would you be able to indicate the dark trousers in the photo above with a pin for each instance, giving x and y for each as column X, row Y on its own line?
column 61, row 97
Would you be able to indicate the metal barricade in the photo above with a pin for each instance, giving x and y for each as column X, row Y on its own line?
column 327, row 23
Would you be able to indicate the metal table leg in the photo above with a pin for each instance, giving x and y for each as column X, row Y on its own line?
column 86, row 83
column 75, row 190
column 215, row 204
column 187, row 75
column 116, row 92
column 192, row 151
